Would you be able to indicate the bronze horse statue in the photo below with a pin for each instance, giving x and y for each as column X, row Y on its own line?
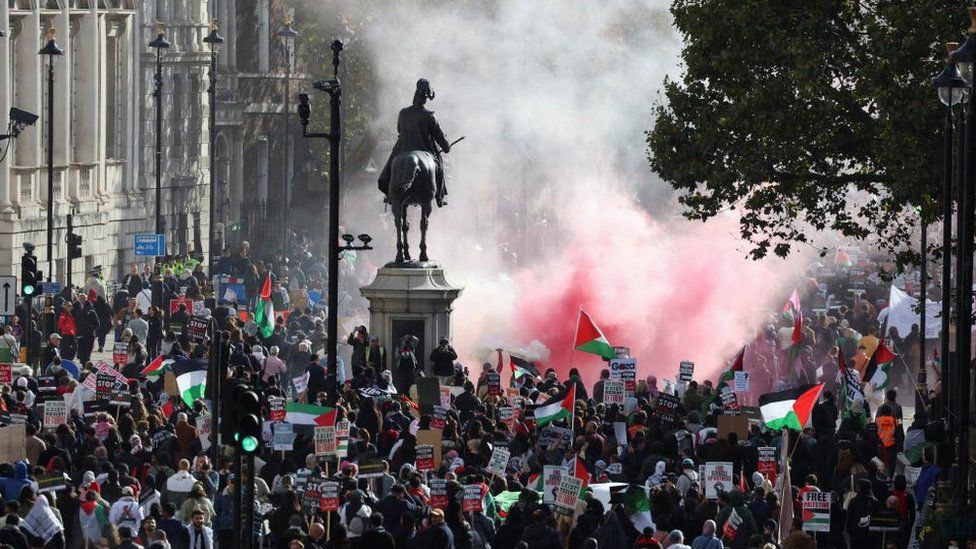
column 412, row 183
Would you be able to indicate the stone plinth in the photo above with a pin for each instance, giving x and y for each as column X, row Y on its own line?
column 410, row 299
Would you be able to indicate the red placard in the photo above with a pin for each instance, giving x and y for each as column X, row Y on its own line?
column 174, row 304
column 767, row 462
column 330, row 496
column 472, row 498
column 6, row 373
column 425, row 458
column 438, row 493
column 276, row 409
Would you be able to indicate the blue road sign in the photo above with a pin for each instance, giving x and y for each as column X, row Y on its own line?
column 150, row 244
column 51, row 287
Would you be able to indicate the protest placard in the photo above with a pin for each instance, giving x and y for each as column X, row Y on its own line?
column 431, row 437
column 741, row 382
column 472, row 499
column 438, row 493
column 325, row 440
column 196, row 329
column 425, row 457
column 613, row 391
column 55, row 414
column 686, row 371
column 330, row 496
column 445, row 397
column 6, row 374
column 300, row 383
column 718, row 478
column 104, row 384
column 816, row 511
column 494, row 384
column 624, row 369
column 276, row 409
column 120, row 353
column 551, row 476
column 668, row 404
column 499, row 461
column 438, row 417
column 204, row 429
column 174, row 305
column 312, row 496
column 52, row 482
column 371, row 467
column 555, row 437
column 567, row 493
column 283, row 436
column 507, row 415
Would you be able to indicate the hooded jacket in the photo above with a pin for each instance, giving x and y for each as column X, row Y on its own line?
column 748, row 525
column 11, row 487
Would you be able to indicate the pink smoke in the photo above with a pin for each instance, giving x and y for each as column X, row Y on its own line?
column 684, row 291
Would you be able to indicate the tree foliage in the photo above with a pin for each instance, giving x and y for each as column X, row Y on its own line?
column 807, row 114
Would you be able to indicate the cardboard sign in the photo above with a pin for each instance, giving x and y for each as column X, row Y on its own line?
column 499, row 461
column 342, row 438
column 567, row 493
column 276, row 409
column 329, row 496
column 445, row 397
column 283, row 436
column 624, row 369
column 767, row 462
column 13, row 442
column 718, row 478
column 104, row 384
column 174, row 305
column 686, row 371
column 55, row 414
column 196, row 329
column 733, row 424
column 438, row 493
column 613, row 391
column 6, row 374
column 551, row 477
column 425, row 458
column 472, row 498
column 494, row 384
column 741, row 382
column 325, row 440
column 431, row 437
column 120, row 353
column 438, row 418
column 816, row 511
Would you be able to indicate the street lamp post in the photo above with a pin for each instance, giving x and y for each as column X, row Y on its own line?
column 50, row 50
column 965, row 58
column 214, row 39
column 158, row 44
column 287, row 35
column 334, row 88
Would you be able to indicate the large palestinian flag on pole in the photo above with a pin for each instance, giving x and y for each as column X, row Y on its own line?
column 264, row 314
column 556, row 408
column 191, row 378
column 876, row 372
column 297, row 413
column 790, row 408
column 590, row 339
column 521, row 366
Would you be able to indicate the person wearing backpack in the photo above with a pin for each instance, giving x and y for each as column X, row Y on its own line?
column 126, row 511
column 707, row 539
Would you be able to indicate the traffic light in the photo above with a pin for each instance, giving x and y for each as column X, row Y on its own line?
column 247, row 429
column 29, row 279
column 74, row 246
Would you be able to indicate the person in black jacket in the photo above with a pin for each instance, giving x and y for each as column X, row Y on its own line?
column 377, row 537
column 540, row 535
column 858, row 514
column 442, row 360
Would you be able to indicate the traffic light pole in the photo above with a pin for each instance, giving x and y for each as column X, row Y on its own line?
column 247, row 496
column 70, row 241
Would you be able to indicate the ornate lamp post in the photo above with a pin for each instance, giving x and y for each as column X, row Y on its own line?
column 287, row 35
column 214, row 39
column 159, row 43
column 50, row 49
column 965, row 59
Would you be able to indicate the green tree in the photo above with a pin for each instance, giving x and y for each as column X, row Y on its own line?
column 807, row 114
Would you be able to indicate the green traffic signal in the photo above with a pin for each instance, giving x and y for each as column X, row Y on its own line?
column 28, row 289
column 249, row 444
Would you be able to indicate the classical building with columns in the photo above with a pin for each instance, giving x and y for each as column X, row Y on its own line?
column 104, row 120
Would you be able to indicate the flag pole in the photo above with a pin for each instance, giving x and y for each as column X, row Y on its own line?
column 572, row 351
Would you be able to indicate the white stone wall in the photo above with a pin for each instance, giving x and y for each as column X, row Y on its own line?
column 104, row 120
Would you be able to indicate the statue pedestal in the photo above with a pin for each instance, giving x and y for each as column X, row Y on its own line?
column 410, row 300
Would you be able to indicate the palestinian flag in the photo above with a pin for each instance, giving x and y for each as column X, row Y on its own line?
column 521, row 366
column 876, row 372
column 157, row 367
column 793, row 308
column 790, row 408
column 580, row 472
column 297, row 413
column 191, row 378
column 735, row 366
column 590, row 339
column 264, row 315
column 556, row 408
column 849, row 381
column 638, row 508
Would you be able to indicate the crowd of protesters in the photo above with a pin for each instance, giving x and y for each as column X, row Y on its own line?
column 140, row 476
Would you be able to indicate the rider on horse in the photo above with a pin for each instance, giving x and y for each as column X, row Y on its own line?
column 418, row 130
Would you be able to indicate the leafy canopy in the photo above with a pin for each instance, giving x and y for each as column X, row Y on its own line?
column 807, row 114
